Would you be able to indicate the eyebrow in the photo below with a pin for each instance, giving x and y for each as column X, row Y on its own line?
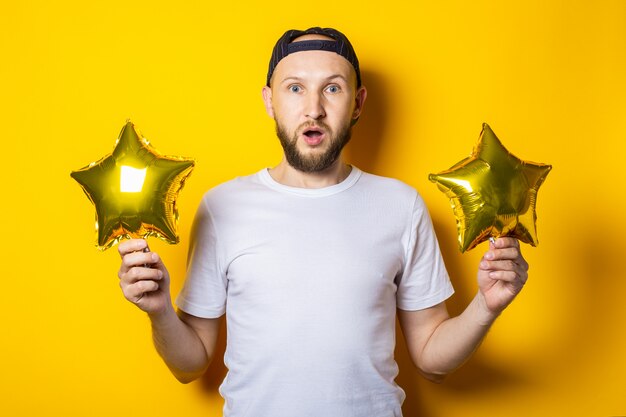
column 331, row 77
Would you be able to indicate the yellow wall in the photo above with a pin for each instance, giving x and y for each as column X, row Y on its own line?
column 548, row 76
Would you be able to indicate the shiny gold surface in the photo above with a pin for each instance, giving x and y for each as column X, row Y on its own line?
column 493, row 193
column 134, row 190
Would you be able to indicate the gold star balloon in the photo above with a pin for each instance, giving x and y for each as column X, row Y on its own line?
column 493, row 193
column 134, row 190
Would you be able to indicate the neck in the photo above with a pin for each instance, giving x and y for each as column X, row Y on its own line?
column 285, row 174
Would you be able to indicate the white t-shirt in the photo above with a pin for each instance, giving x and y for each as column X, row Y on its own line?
column 310, row 280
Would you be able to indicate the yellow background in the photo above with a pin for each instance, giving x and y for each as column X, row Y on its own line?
column 548, row 76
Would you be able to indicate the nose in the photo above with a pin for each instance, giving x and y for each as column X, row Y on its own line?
column 315, row 106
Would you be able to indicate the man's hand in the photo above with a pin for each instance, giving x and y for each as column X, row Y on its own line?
column 143, row 277
column 502, row 273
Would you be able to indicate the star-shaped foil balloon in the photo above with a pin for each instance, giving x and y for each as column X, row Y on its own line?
column 493, row 193
column 134, row 190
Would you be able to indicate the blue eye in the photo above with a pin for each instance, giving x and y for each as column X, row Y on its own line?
column 333, row 89
column 295, row 88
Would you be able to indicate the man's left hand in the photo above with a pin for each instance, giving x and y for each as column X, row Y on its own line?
column 502, row 273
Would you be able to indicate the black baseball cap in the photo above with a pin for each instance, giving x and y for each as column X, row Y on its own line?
column 340, row 45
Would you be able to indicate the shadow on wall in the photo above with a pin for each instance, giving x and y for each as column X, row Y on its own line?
column 369, row 132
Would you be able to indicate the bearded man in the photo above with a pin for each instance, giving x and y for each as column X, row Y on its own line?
column 311, row 261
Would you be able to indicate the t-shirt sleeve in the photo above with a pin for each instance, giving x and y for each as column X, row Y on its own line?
column 424, row 281
column 204, row 291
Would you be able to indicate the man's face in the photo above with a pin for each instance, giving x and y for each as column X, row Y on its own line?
column 314, row 101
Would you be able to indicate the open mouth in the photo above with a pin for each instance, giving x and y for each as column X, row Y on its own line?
column 313, row 133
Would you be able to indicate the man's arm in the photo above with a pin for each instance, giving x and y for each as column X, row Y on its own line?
column 439, row 344
column 186, row 343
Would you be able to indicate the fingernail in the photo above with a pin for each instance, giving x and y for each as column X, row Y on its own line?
column 489, row 255
column 154, row 257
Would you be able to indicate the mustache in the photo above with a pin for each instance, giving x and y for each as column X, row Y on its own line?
column 318, row 124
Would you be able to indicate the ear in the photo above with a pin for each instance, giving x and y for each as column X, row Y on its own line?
column 359, row 101
column 267, row 100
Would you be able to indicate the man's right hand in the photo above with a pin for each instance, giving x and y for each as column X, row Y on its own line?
column 144, row 279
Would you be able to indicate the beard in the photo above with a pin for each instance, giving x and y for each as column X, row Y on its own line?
column 316, row 162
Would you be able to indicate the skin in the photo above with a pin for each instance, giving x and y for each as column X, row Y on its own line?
column 319, row 88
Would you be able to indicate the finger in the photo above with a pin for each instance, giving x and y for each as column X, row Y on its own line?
column 133, row 259
column 513, row 278
column 140, row 273
column 132, row 245
column 513, row 254
column 506, row 253
column 505, row 270
column 506, row 242
column 137, row 291
column 157, row 263
column 500, row 265
column 504, row 275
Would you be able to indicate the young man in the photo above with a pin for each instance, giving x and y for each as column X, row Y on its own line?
column 311, row 260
